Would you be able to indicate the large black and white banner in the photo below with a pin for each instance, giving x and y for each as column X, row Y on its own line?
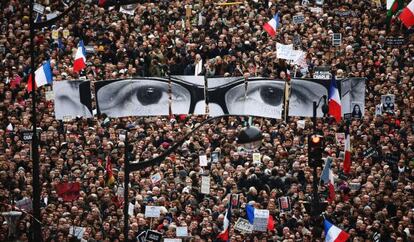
column 260, row 97
column 72, row 99
column 150, row 96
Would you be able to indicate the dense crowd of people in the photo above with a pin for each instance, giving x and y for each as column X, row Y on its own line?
column 373, row 203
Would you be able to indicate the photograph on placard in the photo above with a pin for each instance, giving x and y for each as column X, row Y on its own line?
column 72, row 99
column 357, row 112
column 352, row 91
column 388, row 103
column 303, row 93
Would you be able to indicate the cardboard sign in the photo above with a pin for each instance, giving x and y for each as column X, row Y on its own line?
column 261, row 217
column 256, row 158
column 156, row 178
column 394, row 41
column 242, row 225
column 322, row 72
column 336, row 39
column 285, row 204
column 298, row 19
column 152, row 211
column 181, row 231
column 205, row 185
column 153, row 236
column 203, row 160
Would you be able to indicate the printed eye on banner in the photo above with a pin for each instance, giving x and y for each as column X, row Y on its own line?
column 72, row 99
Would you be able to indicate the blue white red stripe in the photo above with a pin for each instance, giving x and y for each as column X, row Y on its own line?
column 43, row 76
column 335, row 109
column 328, row 179
column 272, row 25
column 80, row 58
column 333, row 233
column 224, row 235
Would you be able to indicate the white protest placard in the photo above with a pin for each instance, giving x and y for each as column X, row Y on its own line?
column 128, row 9
column 283, row 51
column 52, row 15
column 77, row 231
column 261, row 217
column 298, row 19
column 256, row 158
column 203, row 160
column 152, row 211
column 205, row 185
column 172, row 240
column 38, row 8
column 25, row 204
column 131, row 209
column 156, row 178
column 316, row 10
column 181, row 231
column 242, row 225
column 295, row 55
column 49, row 95
column 301, row 124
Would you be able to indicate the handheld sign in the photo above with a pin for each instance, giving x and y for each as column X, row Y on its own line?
column 152, row 211
column 242, row 225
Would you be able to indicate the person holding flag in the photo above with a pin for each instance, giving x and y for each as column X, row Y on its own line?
column 272, row 26
column 225, row 234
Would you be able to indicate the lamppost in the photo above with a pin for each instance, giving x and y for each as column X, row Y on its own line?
column 315, row 149
column 249, row 137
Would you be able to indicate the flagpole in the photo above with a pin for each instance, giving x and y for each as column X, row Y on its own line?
column 36, row 226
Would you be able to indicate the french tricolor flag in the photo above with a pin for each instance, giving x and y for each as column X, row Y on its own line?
column 272, row 25
column 250, row 217
column 224, row 235
column 333, row 233
column 80, row 58
column 347, row 160
column 328, row 179
column 43, row 76
column 334, row 101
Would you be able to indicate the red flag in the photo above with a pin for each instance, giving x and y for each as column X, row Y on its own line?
column 109, row 173
column 29, row 84
column 270, row 223
column 347, row 159
column 68, row 191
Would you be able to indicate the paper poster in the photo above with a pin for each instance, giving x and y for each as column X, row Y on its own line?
column 284, row 204
column 378, row 109
column 205, row 185
column 336, row 39
column 49, row 95
column 235, row 200
column 261, row 217
column 256, row 158
column 172, row 240
column 284, row 51
column 152, row 211
column 153, row 236
column 156, row 178
column 128, row 9
column 77, row 231
column 388, row 103
column 66, row 33
column 55, row 34
column 203, row 160
column 340, row 138
column 38, row 8
column 242, row 225
column 181, row 231
column 301, row 124
column 298, row 19
column 25, row 204
column 215, row 157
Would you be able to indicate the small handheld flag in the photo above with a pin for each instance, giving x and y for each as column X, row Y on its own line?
column 43, row 76
column 224, row 235
column 80, row 58
column 272, row 25
column 333, row 233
